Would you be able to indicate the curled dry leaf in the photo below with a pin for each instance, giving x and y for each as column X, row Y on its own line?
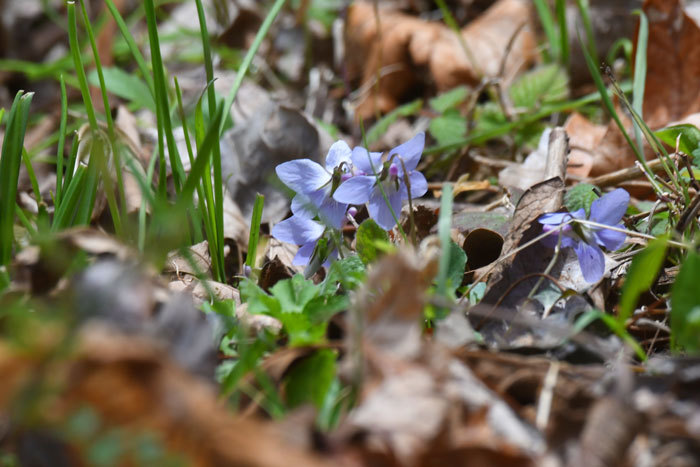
column 132, row 385
column 396, row 47
column 389, row 308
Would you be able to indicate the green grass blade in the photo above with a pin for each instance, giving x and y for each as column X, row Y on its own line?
column 610, row 321
column 444, row 227
column 10, row 161
column 98, row 68
column 640, row 73
column 607, row 102
column 72, row 161
column 248, row 59
column 550, row 30
column 61, row 142
column 131, row 43
column 190, row 154
column 255, row 230
column 640, row 276
column 65, row 212
column 216, row 153
column 165, row 130
column 104, row 163
column 32, row 176
column 584, row 9
column 78, row 63
column 564, row 49
column 203, row 158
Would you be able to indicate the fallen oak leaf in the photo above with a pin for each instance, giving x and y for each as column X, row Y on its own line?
column 397, row 46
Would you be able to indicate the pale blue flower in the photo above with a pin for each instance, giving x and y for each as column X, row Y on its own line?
column 314, row 184
column 370, row 171
column 586, row 240
column 301, row 231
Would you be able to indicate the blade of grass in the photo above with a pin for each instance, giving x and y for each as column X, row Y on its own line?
column 208, row 190
column 248, row 59
column 607, row 102
column 9, row 170
column 584, row 9
column 61, row 142
column 165, row 130
column 72, row 161
column 65, row 212
column 255, row 230
column 550, row 31
column 110, row 192
column 208, row 228
column 78, row 63
column 131, row 43
column 610, row 321
column 564, row 50
column 640, row 73
column 444, row 227
column 218, row 206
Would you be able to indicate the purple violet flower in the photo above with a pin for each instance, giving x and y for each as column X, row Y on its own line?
column 301, row 231
column 586, row 240
column 370, row 171
column 315, row 184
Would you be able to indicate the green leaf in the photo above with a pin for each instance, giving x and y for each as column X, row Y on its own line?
column 476, row 293
column 690, row 137
column 379, row 128
column 457, row 262
column 543, row 85
column 258, row 301
column 294, row 294
column 449, row 100
column 448, row 128
column 301, row 330
column 685, row 306
column 641, row 275
column 310, row 379
column 368, row 233
column 349, row 272
column 125, row 85
column 580, row 196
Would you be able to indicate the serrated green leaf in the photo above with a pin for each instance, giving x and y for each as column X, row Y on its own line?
column 580, row 196
column 368, row 233
column 543, row 85
column 641, row 275
column 690, row 137
column 448, row 128
column 685, row 306
column 450, row 99
column 125, row 85
column 310, row 379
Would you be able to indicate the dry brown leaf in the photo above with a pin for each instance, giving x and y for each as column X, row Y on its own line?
column 398, row 47
column 584, row 137
column 132, row 384
column 672, row 93
column 673, row 63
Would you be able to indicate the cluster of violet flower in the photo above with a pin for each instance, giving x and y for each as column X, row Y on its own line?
column 586, row 240
column 326, row 196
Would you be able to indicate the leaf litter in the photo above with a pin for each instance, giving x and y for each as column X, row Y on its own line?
column 413, row 310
